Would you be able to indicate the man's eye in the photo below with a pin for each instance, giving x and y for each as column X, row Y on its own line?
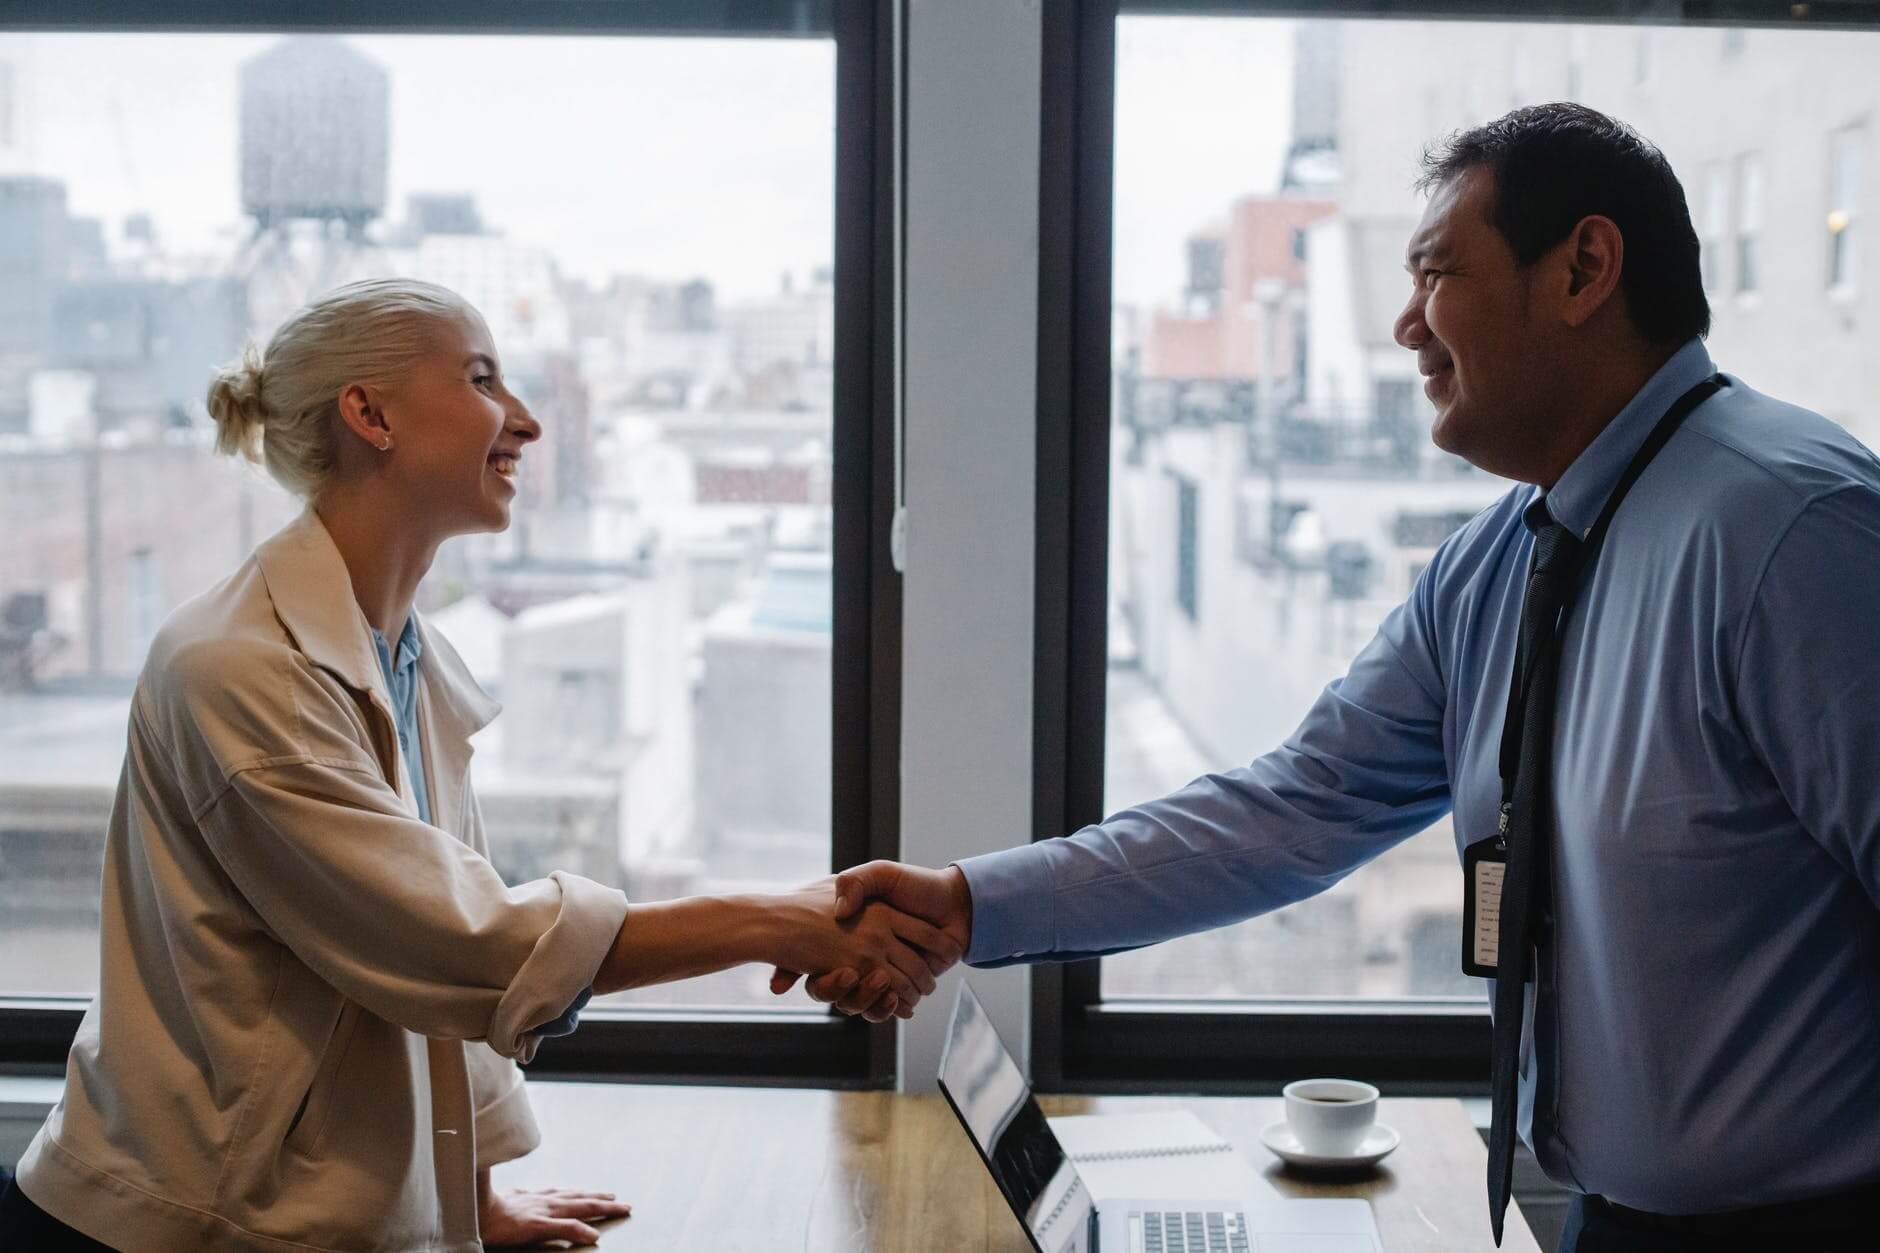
column 484, row 380
column 1430, row 277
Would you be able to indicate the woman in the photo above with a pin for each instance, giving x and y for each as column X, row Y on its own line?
column 314, row 986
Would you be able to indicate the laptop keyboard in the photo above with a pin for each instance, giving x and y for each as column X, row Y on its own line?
column 1195, row 1231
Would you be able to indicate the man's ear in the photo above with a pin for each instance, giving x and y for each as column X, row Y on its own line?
column 1595, row 257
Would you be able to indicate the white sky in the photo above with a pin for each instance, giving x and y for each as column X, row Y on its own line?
column 663, row 157
column 1203, row 117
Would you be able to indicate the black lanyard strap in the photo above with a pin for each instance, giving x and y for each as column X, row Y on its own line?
column 1523, row 673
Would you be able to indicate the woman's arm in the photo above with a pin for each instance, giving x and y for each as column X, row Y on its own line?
column 662, row 941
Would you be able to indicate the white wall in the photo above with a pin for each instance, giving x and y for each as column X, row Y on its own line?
column 972, row 285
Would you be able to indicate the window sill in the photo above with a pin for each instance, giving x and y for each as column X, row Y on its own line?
column 25, row 1100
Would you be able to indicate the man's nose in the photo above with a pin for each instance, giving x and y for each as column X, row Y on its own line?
column 1411, row 331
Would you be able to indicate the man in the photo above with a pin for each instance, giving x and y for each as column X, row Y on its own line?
column 1686, row 803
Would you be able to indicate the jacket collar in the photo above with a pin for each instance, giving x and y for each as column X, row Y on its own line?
column 312, row 593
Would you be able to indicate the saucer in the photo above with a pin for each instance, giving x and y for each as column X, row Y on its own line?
column 1377, row 1144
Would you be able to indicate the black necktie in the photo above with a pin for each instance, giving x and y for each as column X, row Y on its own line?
column 1550, row 582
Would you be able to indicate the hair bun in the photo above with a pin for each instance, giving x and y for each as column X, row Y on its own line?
column 235, row 404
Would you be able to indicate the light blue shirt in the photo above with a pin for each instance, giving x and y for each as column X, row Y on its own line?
column 1707, row 1029
column 401, row 679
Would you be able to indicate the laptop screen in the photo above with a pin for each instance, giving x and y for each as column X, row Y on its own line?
column 994, row 1104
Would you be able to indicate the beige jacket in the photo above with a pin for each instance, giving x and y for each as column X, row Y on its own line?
column 308, row 997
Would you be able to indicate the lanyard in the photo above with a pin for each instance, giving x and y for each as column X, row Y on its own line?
column 1519, row 681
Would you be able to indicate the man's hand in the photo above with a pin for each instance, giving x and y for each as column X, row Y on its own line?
column 893, row 955
column 939, row 896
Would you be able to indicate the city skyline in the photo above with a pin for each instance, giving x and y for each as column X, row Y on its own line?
column 109, row 147
column 722, row 199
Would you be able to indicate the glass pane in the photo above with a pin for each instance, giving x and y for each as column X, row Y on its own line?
column 647, row 227
column 1274, row 491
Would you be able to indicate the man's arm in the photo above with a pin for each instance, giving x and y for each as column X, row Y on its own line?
column 1365, row 770
column 1807, row 678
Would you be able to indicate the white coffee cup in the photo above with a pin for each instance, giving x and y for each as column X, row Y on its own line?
column 1330, row 1116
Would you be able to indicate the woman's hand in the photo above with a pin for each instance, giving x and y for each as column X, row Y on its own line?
column 535, row 1215
column 886, row 949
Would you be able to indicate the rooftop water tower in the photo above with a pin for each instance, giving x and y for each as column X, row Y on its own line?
column 315, row 155
column 315, row 130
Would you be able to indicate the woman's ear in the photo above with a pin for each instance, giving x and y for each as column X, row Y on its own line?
column 359, row 410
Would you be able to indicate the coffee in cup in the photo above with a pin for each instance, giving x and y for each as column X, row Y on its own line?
column 1330, row 1116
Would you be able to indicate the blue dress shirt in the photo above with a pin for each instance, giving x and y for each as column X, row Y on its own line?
column 1706, row 1033
column 401, row 679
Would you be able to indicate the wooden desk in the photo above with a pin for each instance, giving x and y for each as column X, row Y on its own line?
column 758, row 1169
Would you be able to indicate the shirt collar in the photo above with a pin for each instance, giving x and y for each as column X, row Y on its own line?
column 1580, row 494
column 410, row 646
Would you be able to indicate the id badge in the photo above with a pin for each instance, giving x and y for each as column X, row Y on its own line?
column 1483, row 867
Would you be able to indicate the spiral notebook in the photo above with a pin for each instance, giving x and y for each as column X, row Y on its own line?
column 1163, row 1153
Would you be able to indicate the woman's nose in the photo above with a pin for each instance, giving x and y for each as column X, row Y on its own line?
column 524, row 423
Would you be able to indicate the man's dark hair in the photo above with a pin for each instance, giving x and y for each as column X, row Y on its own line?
column 1555, row 164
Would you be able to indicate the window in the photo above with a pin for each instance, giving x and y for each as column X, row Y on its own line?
column 664, row 282
column 1576, row 63
column 1749, row 209
column 1844, row 206
column 1714, row 235
column 1340, row 505
column 1187, row 526
column 6, row 106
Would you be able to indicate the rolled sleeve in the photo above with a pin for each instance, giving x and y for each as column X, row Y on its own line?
column 561, row 965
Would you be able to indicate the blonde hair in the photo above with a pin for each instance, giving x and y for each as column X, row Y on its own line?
column 280, row 406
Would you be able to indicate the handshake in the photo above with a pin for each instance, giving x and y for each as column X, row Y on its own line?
column 898, row 928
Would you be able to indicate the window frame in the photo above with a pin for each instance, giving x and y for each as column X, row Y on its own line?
column 810, row 1047
column 1079, row 1042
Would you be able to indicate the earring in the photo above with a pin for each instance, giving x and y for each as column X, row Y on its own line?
column 385, row 445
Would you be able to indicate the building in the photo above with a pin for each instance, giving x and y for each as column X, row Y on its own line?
column 1239, row 319
column 108, row 559
column 783, row 347
column 34, row 262
column 762, row 780
column 1771, row 132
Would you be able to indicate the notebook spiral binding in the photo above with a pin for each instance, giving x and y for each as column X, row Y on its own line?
column 1172, row 1150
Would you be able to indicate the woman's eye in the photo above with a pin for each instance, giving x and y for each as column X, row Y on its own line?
column 484, row 380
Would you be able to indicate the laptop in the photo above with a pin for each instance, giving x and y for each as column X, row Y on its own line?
column 1039, row 1180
